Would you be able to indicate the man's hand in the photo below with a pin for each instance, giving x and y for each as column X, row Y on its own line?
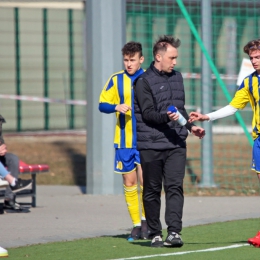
column 198, row 131
column 195, row 116
column 123, row 108
column 3, row 149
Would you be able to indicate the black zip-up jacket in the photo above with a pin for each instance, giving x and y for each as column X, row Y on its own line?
column 155, row 91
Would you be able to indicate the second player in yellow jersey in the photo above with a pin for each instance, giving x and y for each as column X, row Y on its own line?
column 117, row 97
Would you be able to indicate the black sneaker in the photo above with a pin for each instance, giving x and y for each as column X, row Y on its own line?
column 135, row 234
column 157, row 241
column 21, row 185
column 12, row 204
column 2, row 208
column 144, row 230
column 173, row 240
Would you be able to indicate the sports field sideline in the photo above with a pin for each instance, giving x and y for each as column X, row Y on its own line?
column 64, row 213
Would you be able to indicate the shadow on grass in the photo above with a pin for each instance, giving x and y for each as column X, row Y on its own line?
column 123, row 236
column 147, row 243
column 211, row 243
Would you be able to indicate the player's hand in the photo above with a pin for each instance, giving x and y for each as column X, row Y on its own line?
column 3, row 149
column 198, row 131
column 195, row 116
column 173, row 116
column 123, row 108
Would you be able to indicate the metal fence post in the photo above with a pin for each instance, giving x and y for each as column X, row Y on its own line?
column 71, row 68
column 207, row 179
column 45, row 68
column 105, row 36
column 17, row 69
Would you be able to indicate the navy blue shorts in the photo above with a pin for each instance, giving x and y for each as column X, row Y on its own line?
column 256, row 156
column 126, row 160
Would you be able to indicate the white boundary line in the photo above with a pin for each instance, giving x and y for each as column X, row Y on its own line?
column 185, row 252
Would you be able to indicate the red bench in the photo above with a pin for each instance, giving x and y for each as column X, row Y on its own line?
column 25, row 168
column 32, row 169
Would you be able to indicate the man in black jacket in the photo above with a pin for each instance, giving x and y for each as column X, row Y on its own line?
column 162, row 141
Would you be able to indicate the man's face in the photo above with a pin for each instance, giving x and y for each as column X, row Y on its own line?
column 167, row 60
column 254, row 57
column 133, row 63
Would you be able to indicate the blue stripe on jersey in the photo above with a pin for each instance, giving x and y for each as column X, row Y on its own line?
column 133, row 114
column 110, row 84
column 120, row 83
column 241, row 86
column 133, row 119
column 251, row 84
column 258, row 89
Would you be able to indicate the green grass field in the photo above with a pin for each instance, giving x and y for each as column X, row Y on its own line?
column 224, row 235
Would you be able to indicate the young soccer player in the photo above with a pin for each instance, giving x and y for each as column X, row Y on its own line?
column 117, row 97
column 247, row 92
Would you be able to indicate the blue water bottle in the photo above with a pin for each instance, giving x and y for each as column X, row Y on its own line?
column 182, row 121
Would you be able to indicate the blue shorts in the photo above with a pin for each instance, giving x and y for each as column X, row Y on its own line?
column 126, row 160
column 256, row 156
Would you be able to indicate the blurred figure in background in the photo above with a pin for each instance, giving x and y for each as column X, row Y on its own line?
column 15, row 186
column 11, row 162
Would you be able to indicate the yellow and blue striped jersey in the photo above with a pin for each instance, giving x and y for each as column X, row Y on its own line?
column 119, row 90
column 249, row 91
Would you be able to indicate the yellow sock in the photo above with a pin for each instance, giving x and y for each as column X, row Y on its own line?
column 131, row 198
column 141, row 199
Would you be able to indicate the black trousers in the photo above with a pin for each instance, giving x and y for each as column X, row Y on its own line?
column 165, row 167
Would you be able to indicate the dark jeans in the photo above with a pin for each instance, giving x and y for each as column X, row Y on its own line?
column 10, row 161
column 167, row 167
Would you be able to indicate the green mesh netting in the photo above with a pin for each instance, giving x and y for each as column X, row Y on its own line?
column 234, row 23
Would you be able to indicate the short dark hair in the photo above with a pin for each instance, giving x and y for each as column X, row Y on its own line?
column 252, row 46
column 162, row 43
column 131, row 48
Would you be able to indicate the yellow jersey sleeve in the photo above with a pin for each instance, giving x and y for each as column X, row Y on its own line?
column 109, row 92
column 242, row 96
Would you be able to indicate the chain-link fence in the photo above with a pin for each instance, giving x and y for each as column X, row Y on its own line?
column 42, row 55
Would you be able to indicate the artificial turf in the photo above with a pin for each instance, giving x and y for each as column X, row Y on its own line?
column 195, row 238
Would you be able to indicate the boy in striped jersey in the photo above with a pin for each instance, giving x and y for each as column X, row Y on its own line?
column 249, row 91
column 117, row 97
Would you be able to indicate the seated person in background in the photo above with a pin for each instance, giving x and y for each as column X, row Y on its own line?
column 3, row 171
column 16, row 185
column 11, row 162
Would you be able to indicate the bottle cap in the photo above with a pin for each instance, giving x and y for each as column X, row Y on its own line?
column 172, row 109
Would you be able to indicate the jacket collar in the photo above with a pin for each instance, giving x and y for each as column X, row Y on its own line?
column 160, row 73
column 137, row 73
